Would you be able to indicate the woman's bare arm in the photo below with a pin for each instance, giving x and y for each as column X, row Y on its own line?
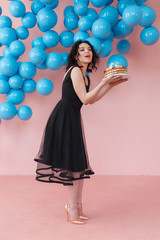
column 94, row 95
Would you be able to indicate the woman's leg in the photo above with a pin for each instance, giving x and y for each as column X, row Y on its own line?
column 73, row 198
column 79, row 196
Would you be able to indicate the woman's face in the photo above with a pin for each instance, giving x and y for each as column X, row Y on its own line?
column 85, row 53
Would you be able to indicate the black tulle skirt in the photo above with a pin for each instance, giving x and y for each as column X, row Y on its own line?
column 63, row 157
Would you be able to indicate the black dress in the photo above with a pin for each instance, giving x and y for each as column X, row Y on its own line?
column 62, row 157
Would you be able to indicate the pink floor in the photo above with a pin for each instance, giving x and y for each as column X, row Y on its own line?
column 118, row 207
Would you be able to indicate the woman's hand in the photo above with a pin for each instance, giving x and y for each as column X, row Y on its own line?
column 114, row 80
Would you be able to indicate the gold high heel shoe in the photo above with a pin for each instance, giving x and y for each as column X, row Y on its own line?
column 81, row 216
column 79, row 221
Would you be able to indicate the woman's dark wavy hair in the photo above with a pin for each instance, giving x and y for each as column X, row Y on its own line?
column 73, row 53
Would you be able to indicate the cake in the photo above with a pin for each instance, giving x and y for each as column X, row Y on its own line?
column 115, row 71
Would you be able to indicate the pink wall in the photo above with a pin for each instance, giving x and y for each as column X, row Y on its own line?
column 122, row 130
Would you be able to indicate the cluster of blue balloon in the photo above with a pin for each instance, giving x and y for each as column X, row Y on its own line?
column 16, row 78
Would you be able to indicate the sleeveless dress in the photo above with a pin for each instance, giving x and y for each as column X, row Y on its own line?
column 63, row 157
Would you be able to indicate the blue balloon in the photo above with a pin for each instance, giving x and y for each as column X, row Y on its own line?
column 17, row 8
column 67, row 10
column 111, row 36
column 38, row 42
column 22, row 32
column 121, row 30
column 148, row 16
column 108, row 2
column 52, row 5
column 96, row 43
column 37, row 55
column 80, row 35
column 123, row 46
column 65, row 58
column 7, row 110
column 7, row 35
column 117, row 59
column 47, row 1
column 110, row 14
column 44, row 86
column 27, row 70
column 7, row 53
column 149, row 36
column 36, row 6
column 122, row 4
column 84, row 1
column 71, row 21
column 28, row 20
column 92, row 14
column 29, row 86
column 15, row 96
column 24, row 112
column 66, row 38
column 46, row 19
column 17, row 48
column 101, row 28
column 81, row 8
column 4, row 86
column 54, row 61
column 5, row 21
column 42, row 66
column 3, row 77
column 50, row 38
column 8, row 66
column 99, row 3
column 132, row 15
column 0, row 10
column 84, row 24
column 16, row 82
column 106, row 48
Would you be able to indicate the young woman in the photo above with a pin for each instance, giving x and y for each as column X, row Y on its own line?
column 62, row 157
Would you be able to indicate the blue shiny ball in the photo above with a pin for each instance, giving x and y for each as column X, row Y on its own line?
column 22, row 32
column 50, row 38
column 7, row 35
column 15, row 82
column 37, row 55
column 5, row 21
column 46, row 19
column 66, row 38
column 80, row 35
column 110, row 14
column 117, row 59
column 24, row 112
column 4, row 86
column 17, row 9
column 71, row 21
column 54, row 60
column 84, row 24
column 8, row 66
column 36, row 6
column 44, row 86
column 15, row 96
column 38, row 42
column 27, row 70
column 106, row 48
column 28, row 20
column 150, row 35
column 101, row 28
column 132, row 15
column 17, row 48
column 29, row 86
column 123, row 46
column 7, row 110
